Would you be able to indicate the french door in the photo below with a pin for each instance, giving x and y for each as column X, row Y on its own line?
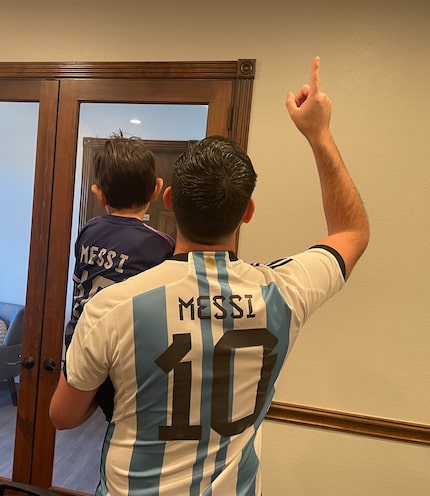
column 223, row 88
column 37, row 101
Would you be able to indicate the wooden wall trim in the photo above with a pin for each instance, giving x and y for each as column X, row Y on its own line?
column 351, row 423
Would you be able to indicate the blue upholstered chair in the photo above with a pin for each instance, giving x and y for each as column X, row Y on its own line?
column 11, row 332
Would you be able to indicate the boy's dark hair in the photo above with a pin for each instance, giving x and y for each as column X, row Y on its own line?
column 125, row 171
column 212, row 183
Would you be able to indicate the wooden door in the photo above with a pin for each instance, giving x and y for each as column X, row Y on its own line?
column 218, row 95
column 45, row 94
column 225, row 87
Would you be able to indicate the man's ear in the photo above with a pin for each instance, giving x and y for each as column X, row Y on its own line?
column 101, row 198
column 158, row 186
column 167, row 197
column 249, row 211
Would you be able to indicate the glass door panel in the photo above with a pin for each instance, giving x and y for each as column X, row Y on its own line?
column 94, row 109
column 18, row 134
column 172, row 126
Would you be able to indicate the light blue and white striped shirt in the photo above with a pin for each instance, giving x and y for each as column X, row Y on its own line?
column 194, row 347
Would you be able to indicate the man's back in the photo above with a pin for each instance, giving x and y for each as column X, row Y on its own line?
column 194, row 366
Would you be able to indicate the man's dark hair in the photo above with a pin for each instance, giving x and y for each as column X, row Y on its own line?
column 212, row 183
column 125, row 171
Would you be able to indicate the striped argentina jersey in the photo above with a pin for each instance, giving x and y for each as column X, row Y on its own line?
column 194, row 364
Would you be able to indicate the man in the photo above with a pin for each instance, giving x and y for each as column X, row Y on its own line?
column 194, row 346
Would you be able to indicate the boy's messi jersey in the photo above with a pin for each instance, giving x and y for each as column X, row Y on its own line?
column 194, row 347
column 110, row 249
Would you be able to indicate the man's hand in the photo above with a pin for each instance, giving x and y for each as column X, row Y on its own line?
column 310, row 110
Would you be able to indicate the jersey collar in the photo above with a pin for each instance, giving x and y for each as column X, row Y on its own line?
column 183, row 257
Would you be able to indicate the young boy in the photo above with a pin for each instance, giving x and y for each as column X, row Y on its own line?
column 118, row 245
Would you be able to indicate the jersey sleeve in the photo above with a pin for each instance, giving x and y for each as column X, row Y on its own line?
column 89, row 355
column 309, row 279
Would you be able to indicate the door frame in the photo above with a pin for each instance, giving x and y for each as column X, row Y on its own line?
column 226, row 86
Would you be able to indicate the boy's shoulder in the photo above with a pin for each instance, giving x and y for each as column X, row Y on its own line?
column 164, row 235
column 123, row 230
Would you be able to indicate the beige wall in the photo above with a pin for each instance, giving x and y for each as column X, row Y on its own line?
column 367, row 351
column 300, row 461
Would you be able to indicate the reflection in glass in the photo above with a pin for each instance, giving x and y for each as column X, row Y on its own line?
column 18, row 136
column 99, row 120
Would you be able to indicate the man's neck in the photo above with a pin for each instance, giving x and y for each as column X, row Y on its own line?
column 185, row 246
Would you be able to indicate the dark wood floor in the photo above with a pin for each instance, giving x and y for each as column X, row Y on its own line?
column 77, row 451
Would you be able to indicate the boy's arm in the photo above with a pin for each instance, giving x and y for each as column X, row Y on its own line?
column 69, row 406
column 346, row 218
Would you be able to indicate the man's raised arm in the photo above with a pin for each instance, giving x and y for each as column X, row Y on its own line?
column 346, row 218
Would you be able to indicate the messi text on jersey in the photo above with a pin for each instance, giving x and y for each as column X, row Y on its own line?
column 218, row 307
column 94, row 255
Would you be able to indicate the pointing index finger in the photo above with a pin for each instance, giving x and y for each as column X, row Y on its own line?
column 315, row 76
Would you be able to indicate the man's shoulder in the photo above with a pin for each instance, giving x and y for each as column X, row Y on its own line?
column 316, row 263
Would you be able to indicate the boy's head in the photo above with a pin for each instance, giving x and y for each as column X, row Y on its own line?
column 124, row 171
column 212, row 184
